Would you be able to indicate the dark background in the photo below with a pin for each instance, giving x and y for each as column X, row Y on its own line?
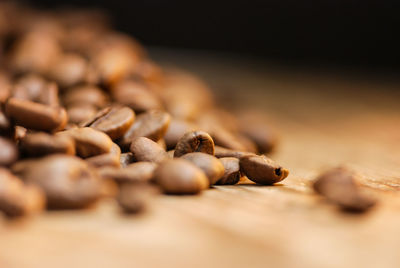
column 340, row 33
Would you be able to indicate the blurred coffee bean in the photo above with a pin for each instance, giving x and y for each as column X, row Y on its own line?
column 152, row 125
column 340, row 186
column 40, row 144
column 149, row 72
column 135, row 198
column 231, row 171
column 8, row 152
column 80, row 113
column 35, row 115
column 17, row 199
column 211, row 166
column 262, row 169
column 108, row 159
column 114, row 121
column 177, row 128
column 68, row 70
column 135, row 172
column 136, row 96
column 144, row 149
column 88, row 141
column 126, row 159
column 195, row 141
column 179, row 176
column 67, row 181
column 225, row 152
column 85, row 95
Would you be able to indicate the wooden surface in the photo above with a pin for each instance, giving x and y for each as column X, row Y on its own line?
column 324, row 120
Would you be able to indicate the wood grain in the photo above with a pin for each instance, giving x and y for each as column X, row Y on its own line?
column 324, row 120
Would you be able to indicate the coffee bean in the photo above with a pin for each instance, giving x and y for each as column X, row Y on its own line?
column 134, row 198
column 152, row 125
column 107, row 159
column 85, row 95
column 149, row 71
column 179, row 176
column 67, row 181
column 225, row 152
column 69, row 69
column 144, row 149
column 8, row 152
column 114, row 121
column 40, row 144
column 211, row 166
column 135, row 172
column 88, row 141
column 80, row 113
column 136, row 96
column 17, row 199
column 126, row 159
column 231, row 171
column 262, row 170
column 177, row 128
column 35, row 115
column 195, row 141
column 339, row 186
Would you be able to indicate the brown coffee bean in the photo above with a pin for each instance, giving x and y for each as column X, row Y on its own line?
column 136, row 96
column 144, row 149
column 80, row 113
column 35, row 115
column 211, row 166
column 114, row 121
column 8, row 152
column 227, row 139
column 67, row 181
column 68, row 70
column 136, row 172
column 339, row 186
column 177, row 128
column 85, row 95
column 195, row 141
column 134, row 198
column 40, row 144
column 180, row 176
column 107, row 159
column 262, row 170
column 88, row 141
column 149, row 71
column 152, row 125
column 232, row 171
column 126, row 159
column 17, row 199
column 225, row 152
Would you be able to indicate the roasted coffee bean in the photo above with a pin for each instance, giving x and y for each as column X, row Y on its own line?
column 67, row 181
column 40, row 144
column 180, row 176
column 88, row 141
column 85, row 95
column 107, row 159
column 35, row 115
column 69, row 69
column 136, row 96
column 231, row 171
column 177, row 128
column 135, row 172
column 225, row 152
column 8, row 152
column 339, row 186
column 262, row 170
column 144, row 149
column 17, row 199
column 149, row 72
column 211, row 166
column 114, row 121
column 195, row 141
column 227, row 139
column 126, row 159
column 152, row 125
column 80, row 113
column 134, row 198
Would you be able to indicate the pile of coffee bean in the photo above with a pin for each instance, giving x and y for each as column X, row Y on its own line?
column 85, row 114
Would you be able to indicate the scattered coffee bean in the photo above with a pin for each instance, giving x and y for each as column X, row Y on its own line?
column 114, row 121
column 80, row 113
column 85, row 95
column 136, row 172
column 232, row 172
column 211, row 166
column 134, row 198
column 262, row 170
column 195, row 141
column 179, row 176
column 339, row 186
column 8, row 152
column 225, row 152
column 40, row 144
column 69, row 69
column 144, row 149
column 177, row 128
column 111, row 158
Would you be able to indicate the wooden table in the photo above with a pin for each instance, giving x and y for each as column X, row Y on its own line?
column 324, row 120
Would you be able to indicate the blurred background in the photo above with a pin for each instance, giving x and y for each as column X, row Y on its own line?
column 358, row 35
